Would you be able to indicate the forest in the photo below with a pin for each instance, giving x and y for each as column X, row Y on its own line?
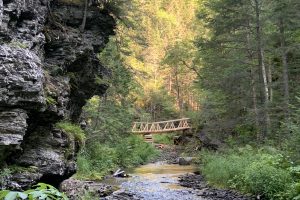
column 231, row 66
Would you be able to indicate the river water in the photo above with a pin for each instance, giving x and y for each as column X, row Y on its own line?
column 157, row 181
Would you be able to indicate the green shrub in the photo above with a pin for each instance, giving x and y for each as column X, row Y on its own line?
column 295, row 171
column 96, row 162
column 261, row 172
column 163, row 138
column 40, row 191
column 4, row 174
column 266, row 180
column 99, row 159
column 294, row 191
column 73, row 131
column 225, row 170
column 133, row 151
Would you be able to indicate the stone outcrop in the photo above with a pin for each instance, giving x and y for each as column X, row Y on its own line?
column 48, row 66
column 75, row 189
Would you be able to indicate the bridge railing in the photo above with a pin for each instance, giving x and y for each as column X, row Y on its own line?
column 161, row 127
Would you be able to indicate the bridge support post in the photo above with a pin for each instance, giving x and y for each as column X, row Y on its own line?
column 148, row 138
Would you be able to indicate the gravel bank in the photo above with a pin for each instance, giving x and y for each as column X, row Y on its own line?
column 198, row 183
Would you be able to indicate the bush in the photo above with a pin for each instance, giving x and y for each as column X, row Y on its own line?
column 260, row 172
column 96, row 162
column 99, row 159
column 225, row 170
column 163, row 138
column 266, row 180
column 134, row 151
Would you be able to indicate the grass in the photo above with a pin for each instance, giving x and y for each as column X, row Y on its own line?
column 73, row 131
column 98, row 160
column 263, row 172
column 50, row 100
column 163, row 138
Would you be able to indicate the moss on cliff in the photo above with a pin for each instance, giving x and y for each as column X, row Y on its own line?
column 73, row 131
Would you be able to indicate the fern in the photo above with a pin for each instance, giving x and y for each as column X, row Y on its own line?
column 41, row 191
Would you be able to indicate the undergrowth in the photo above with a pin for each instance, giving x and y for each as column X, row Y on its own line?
column 100, row 159
column 265, row 172
column 73, row 131
column 41, row 191
column 163, row 138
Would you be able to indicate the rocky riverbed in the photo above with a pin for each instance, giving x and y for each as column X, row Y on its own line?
column 162, row 179
column 202, row 189
column 156, row 181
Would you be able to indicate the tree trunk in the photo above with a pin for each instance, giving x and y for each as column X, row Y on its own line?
column 253, row 82
column 284, row 70
column 254, row 99
column 178, row 91
column 263, row 74
column 170, row 84
column 82, row 26
column 270, row 81
column 1, row 12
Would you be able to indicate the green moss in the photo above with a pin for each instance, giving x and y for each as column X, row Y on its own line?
column 73, row 131
column 18, row 44
column 20, row 169
column 4, row 173
column 50, row 100
column 100, row 81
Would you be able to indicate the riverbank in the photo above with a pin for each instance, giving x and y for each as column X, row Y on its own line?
column 162, row 179
column 198, row 183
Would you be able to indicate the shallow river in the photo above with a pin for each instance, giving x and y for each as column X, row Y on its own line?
column 157, row 181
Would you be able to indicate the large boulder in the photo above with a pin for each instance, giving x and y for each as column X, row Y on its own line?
column 185, row 160
column 75, row 189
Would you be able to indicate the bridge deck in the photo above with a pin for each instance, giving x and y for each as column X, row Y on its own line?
column 160, row 127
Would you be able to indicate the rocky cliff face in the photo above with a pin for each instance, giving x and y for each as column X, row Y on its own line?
column 48, row 66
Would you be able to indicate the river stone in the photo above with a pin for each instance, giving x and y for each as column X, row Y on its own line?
column 75, row 189
column 185, row 160
column 18, row 181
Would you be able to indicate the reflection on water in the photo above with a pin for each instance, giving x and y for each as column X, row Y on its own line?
column 166, row 174
column 162, row 168
column 157, row 181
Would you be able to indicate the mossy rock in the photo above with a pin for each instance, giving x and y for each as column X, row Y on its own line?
column 20, row 169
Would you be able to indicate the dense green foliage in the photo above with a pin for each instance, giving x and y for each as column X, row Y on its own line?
column 109, row 144
column 231, row 66
column 164, row 138
column 73, row 131
column 40, row 191
column 248, row 66
column 101, row 159
column 247, row 63
column 265, row 172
